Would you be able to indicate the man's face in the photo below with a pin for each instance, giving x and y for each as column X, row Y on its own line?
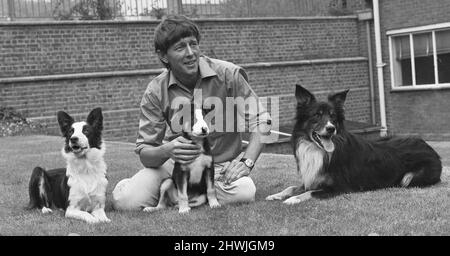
column 183, row 57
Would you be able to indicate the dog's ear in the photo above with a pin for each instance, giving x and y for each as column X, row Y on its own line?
column 65, row 121
column 338, row 99
column 304, row 97
column 95, row 119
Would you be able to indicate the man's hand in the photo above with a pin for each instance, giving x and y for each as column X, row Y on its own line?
column 234, row 170
column 182, row 150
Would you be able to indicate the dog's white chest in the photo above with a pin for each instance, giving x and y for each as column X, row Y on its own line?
column 86, row 178
column 196, row 168
column 86, row 184
column 310, row 161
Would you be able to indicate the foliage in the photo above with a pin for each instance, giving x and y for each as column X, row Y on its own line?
column 284, row 8
column 13, row 123
column 87, row 10
column 156, row 12
column 260, row 8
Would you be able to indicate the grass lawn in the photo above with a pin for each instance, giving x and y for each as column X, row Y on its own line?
column 394, row 211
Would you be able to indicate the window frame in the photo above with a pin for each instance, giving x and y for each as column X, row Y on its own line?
column 391, row 34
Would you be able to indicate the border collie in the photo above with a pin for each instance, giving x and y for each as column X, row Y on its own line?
column 331, row 160
column 80, row 188
column 191, row 184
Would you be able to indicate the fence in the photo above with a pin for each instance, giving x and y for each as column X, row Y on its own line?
column 156, row 9
column 77, row 9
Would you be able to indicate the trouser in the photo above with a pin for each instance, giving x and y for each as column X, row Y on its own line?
column 142, row 190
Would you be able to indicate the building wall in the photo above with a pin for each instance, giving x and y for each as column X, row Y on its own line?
column 423, row 113
column 76, row 66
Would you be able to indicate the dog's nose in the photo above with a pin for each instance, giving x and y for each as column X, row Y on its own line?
column 204, row 130
column 331, row 129
column 73, row 139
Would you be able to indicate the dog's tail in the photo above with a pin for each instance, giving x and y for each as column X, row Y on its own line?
column 422, row 163
column 39, row 189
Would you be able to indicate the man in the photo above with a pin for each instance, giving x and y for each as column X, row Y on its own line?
column 159, row 144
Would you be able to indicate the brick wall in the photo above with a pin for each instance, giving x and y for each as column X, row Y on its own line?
column 423, row 113
column 280, row 40
column 65, row 47
column 41, row 49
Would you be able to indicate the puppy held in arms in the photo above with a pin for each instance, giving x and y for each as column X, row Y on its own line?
column 191, row 184
column 332, row 160
column 80, row 188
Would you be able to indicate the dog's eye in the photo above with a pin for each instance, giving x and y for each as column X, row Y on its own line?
column 85, row 130
column 71, row 130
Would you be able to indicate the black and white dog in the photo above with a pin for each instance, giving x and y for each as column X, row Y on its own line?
column 331, row 160
column 80, row 188
column 191, row 184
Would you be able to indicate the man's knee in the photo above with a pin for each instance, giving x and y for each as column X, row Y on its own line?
column 139, row 191
column 246, row 189
column 240, row 191
column 119, row 196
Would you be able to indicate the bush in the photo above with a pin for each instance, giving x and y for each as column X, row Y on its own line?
column 87, row 10
column 13, row 123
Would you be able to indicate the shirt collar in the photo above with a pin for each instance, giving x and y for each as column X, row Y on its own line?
column 205, row 71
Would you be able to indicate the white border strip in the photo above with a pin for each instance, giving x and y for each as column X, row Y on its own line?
column 391, row 59
column 158, row 71
column 142, row 72
column 413, row 59
column 418, row 29
column 421, row 87
column 77, row 115
column 435, row 63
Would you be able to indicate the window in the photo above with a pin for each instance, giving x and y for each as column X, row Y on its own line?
column 420, row 57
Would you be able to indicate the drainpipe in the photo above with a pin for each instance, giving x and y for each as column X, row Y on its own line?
column 379, row 65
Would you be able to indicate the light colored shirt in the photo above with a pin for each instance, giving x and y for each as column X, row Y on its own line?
column 219, row 79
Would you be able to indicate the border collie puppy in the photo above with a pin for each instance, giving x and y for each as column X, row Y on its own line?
column 80, row 188
column 331, row 160
column 191, row 184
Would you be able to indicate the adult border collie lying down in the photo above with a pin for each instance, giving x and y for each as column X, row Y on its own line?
column 331, row 160
column 80, row 188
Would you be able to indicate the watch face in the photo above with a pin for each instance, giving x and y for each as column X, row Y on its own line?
column 249, row 163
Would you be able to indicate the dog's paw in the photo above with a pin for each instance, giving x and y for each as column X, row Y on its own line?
column 214, row 204
column 46, row 210
column 184, row 210
column 274, row 197
column 105, row 219
column 407, row 179
column 292, row 200
column 151, row 209
column 92, row 220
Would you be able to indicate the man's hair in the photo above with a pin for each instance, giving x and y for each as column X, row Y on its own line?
column 172, row 29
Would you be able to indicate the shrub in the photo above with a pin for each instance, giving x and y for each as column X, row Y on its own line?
column 87, row 10
column 14, row 123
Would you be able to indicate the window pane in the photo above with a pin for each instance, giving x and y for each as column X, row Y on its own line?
column 443, row 55
column 402, row 48
column 402, row 61
column 423, row 58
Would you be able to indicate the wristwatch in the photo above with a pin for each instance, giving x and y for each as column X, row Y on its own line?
column 248, row 162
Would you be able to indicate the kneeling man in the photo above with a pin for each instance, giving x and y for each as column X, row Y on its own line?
column 159, row 144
